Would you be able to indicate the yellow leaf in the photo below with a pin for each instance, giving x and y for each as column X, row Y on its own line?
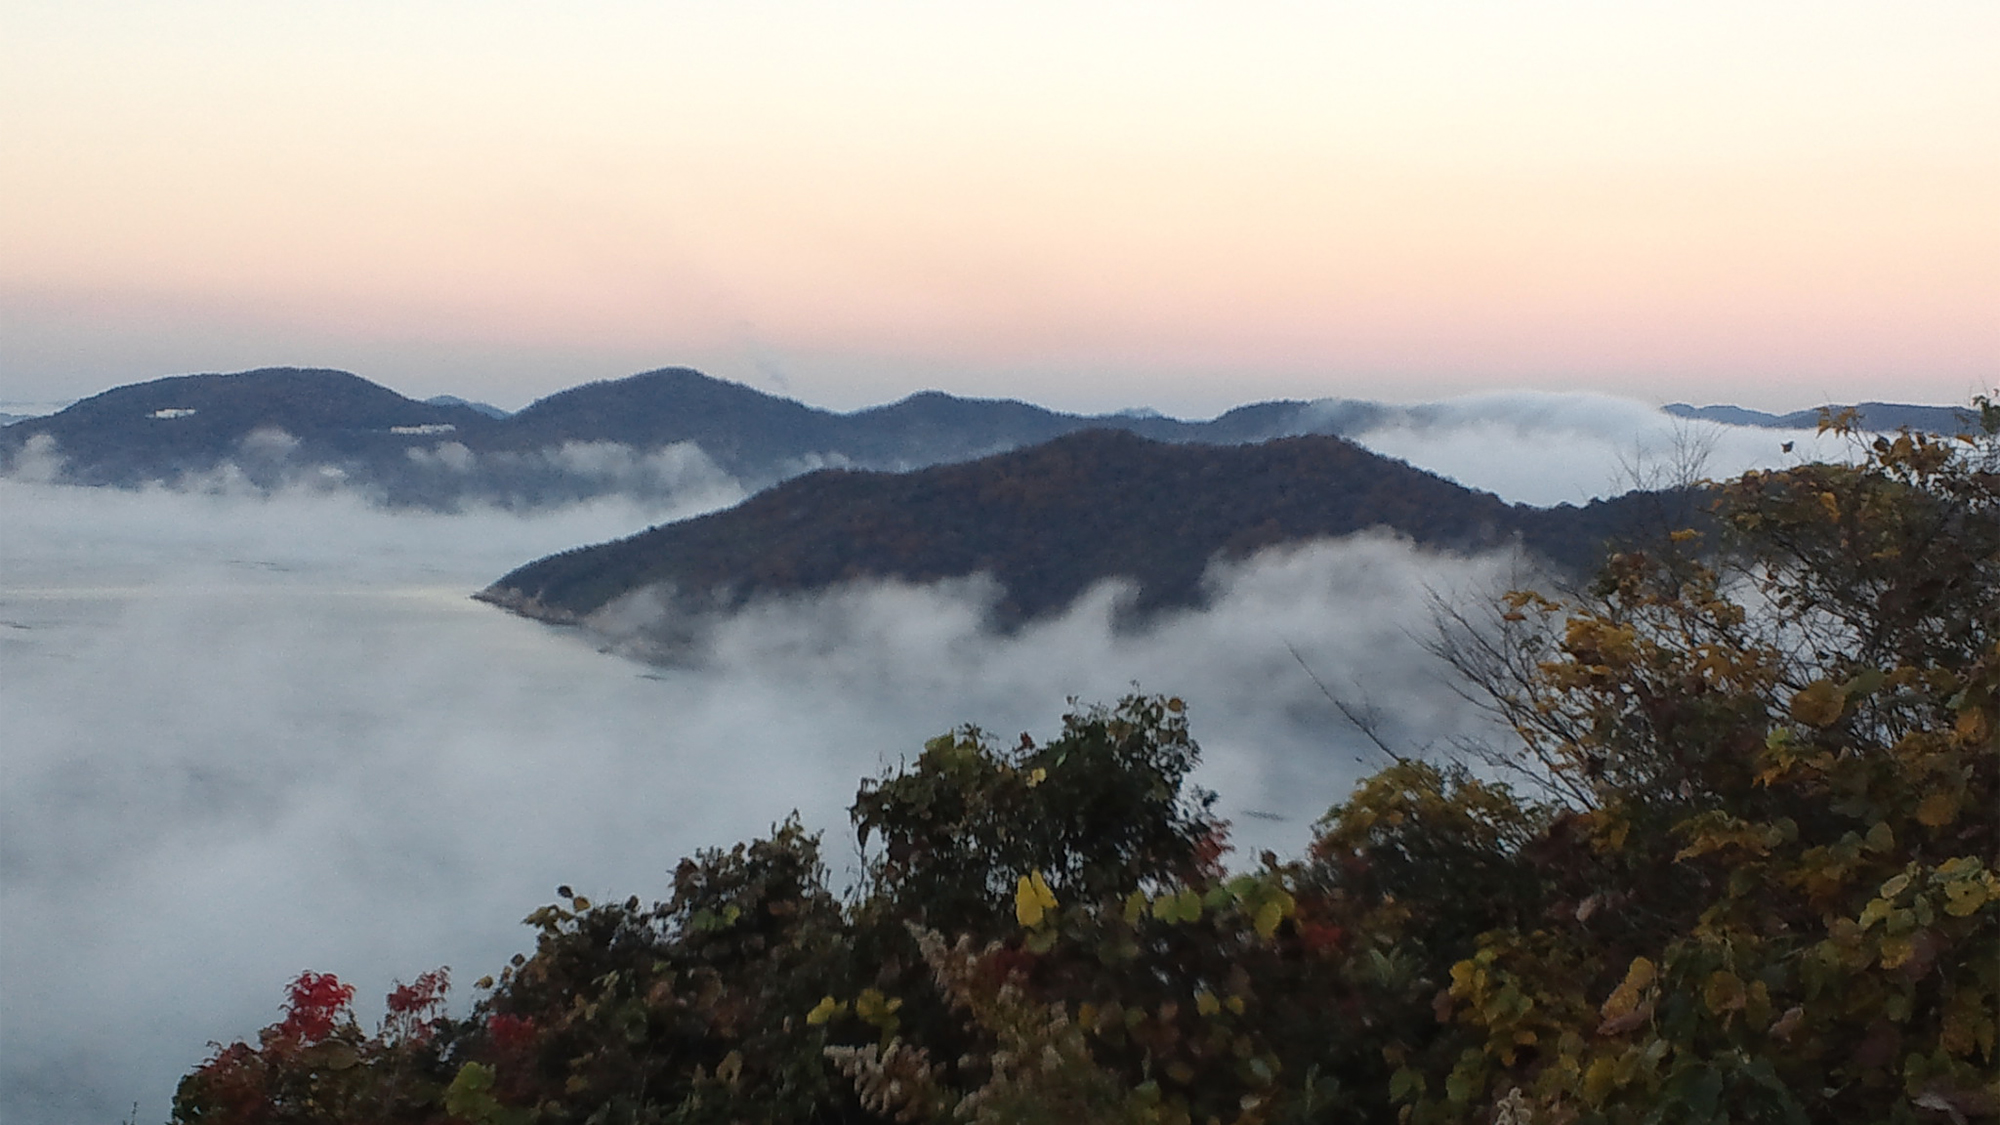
column 1462, row 976
column 1267, row 918
column 1206, row 1003
column 1819, row 703
column 1876, row 910
column 1964, row 897
column 876, row 1007
column 1724, row 992
column 1973, row 725
column 1623, row 999
column 1599, row 1080
column 1027, row 906
column 823, row 1011
column 1938, row 810
column 1896, row 951
column 1033, row 899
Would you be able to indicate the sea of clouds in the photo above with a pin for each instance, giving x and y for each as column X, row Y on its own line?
column 1545, row 448
column 246, row 735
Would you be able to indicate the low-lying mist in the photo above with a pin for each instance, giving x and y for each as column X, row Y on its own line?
column 244, row 735
column 1545, row 449
column 250, row 737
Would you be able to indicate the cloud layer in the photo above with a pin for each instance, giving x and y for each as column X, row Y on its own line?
column 1546, row 449
column 249, row 737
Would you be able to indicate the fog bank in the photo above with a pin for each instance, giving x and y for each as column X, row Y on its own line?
column 246, row 737
column 1546, row 449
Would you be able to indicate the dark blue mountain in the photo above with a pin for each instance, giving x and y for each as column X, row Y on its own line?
column 1886, row 417
column 280, row 426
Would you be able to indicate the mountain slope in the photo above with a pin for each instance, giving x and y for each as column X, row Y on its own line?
column 1049, row 522
column 737, row 425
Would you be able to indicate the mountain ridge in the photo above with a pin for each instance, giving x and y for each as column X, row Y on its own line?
column 1050, row 521
column 276, row 427
column 445, row 451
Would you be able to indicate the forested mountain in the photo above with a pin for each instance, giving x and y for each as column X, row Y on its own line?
column 1050, row 521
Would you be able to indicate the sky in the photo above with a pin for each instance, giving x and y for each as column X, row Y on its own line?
column 1093, row 205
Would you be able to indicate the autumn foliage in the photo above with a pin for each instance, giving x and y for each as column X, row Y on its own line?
column 1737, row 861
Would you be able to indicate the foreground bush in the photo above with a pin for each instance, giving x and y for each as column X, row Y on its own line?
column 1746, row 872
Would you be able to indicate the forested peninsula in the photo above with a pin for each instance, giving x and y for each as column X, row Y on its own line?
column 1049, row 522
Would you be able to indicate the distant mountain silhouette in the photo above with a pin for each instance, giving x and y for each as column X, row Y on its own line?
column 652, row 434
column 486, row 408
column 1050, row 521
column 1882, row 416
column 276, row 425
column 762, row 437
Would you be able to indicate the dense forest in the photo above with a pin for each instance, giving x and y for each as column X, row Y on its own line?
column 1049, row 522
column 1737, row 861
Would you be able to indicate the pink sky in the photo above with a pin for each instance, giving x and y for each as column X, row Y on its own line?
column 1088, row 205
